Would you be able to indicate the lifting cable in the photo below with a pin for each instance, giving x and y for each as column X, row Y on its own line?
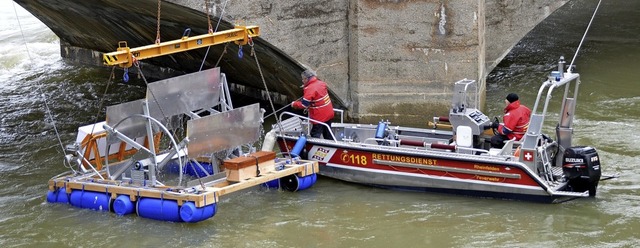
column 584, row 36
column 44, row 97
column 209, row 28
column 212, row 31
column 264, row 83
column 112, row 76
column 136, row 63
column 158, row 23
column 224, row 51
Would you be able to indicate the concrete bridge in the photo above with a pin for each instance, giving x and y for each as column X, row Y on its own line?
column 386, row 59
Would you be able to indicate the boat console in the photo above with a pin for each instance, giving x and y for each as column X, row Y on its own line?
column 464, row 107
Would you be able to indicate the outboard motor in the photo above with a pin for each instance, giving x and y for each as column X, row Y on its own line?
column 581, row 166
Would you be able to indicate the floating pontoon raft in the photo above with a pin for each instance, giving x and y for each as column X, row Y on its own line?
column 184, row 181
column 176, row 204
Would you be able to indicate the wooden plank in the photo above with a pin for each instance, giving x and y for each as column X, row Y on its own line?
column 242, row 168
column 289, row 170
column 249, row 160
column 249, row 172
column 310, row 167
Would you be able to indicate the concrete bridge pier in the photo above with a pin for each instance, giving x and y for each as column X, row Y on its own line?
column 394, row 60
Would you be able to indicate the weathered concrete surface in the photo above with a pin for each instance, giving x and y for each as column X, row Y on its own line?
column 385, row 59
column 508, row 21
column 393, row 59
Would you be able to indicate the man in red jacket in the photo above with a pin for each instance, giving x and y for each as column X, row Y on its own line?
column 316, row 100
column 516, row 122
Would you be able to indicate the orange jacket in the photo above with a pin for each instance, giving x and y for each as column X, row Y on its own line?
column 516, row 120
column 316, row 99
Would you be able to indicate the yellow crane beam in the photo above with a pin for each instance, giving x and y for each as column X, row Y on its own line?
column 124, row 56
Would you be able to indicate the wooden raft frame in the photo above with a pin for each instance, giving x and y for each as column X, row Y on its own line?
column 201, row 197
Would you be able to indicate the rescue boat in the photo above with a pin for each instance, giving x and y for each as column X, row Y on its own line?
column 453, row 154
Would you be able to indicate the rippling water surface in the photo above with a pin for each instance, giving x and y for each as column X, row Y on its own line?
column 331, row 213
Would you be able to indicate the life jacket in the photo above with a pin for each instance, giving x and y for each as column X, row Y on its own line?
column 316, row 100
column 516, row 120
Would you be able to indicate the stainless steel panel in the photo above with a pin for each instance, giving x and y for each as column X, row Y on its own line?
column 223, row 130
column 530, row 140
column 182, row 94
column 131, row 127
column 566, row 117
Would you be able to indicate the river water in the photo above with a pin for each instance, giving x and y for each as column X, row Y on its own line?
column 331, row 213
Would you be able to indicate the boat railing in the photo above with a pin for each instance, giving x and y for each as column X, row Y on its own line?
column 309, row 121
column 546, row 159
column 471, row 150
column 368, row 143
column 376, row 141
column 557, row 79
column 341, row 114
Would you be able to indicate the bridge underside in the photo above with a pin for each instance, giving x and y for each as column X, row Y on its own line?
column 84, row 25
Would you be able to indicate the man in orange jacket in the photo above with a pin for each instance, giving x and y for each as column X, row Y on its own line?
column 316, row 100
column 516, row 122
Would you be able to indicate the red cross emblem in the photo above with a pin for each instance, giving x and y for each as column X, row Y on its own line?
column 528, row 156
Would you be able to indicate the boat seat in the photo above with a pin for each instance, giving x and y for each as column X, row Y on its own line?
column 464, row 136
column 507, row 149
column 464, row 139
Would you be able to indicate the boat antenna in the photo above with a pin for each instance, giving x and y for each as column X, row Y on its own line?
column 44, row 97
column 584, row 36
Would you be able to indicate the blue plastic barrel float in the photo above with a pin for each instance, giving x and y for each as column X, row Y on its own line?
column 58, row 196
column 90, row 200
column 123, row 205
column 168, row 210
column 192, row 169
column 52, row 196
column 190, row 213
column 273, row 184
column 295, row 183
column 158, row 209
column 297, row 148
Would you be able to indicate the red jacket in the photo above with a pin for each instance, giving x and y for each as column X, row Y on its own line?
column 316, row 99
column 516, row 120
